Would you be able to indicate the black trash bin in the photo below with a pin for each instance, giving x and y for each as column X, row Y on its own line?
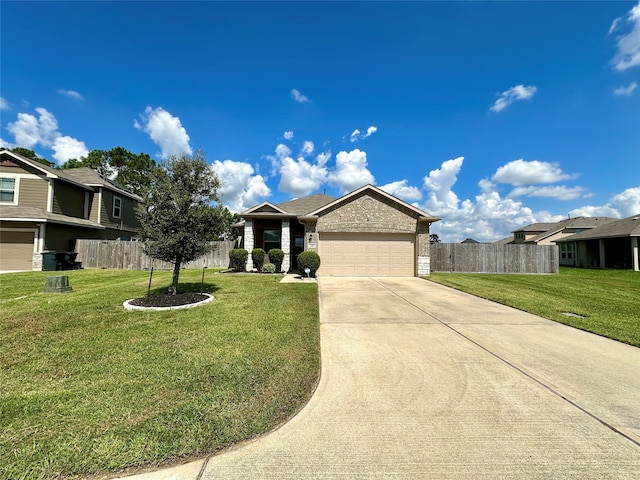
column 66, row 260
column 49, row 262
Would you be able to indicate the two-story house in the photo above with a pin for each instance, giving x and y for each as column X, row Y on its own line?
column 43, row 209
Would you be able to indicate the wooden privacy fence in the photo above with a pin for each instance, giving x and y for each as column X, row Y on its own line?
column 125, row 255
column 494, row 258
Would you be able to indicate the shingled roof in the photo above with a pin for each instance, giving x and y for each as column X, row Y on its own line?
column 627, row 227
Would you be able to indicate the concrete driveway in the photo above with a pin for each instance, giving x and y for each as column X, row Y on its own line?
column 421, row 381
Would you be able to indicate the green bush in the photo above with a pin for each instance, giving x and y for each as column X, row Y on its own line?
column 257, row 255
column 238, row 259
column 276, row 256
column 310, row 260
column 268, row 268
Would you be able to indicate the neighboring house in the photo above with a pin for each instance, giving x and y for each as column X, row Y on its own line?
column 550, row 233
column 365, row 232
column 612, row 245
column 469, row 240
column 43, row 209
column 505, row 241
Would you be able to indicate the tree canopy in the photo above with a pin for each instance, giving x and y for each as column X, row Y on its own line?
column 178, row 220
column 124, row 167
column 31, row 155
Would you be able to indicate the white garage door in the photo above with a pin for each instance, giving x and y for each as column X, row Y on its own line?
column 16, row 250
column 367, row 254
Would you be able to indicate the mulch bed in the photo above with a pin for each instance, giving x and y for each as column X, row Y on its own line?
column 166, row 300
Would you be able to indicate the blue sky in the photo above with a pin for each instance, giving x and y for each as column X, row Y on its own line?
column 490, row 115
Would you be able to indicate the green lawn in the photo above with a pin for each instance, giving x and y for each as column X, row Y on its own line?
column 609, row 300
column 90, row 388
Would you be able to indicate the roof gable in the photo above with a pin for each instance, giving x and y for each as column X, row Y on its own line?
column 371, row 189
column 264, row 207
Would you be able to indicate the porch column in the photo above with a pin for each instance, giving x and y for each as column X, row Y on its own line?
column 601, row 248
column 248, row 242
column 285, row 241
column 424, row 249
column 635, row 254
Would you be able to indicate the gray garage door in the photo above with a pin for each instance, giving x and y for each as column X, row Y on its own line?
column 16, row 250
column 367, row 254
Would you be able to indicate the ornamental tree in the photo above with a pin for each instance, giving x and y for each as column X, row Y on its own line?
column 177, row 218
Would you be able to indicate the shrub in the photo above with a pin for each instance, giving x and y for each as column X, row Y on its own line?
column 276, row 256
column 238, row 259
column 268, row 268
column 257, row 255
column 310, row 260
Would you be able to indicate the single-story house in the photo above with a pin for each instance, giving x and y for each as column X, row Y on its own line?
column 45, row 210
column 612, row 245
column 549, row 233
column 366, row 232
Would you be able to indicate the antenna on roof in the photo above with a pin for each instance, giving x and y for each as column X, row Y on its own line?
column 324, row 192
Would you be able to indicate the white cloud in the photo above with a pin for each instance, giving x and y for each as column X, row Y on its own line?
column 627, row 44
column 402, row 190
column 240, row 188
column 288, row 135
column 66, row 147
column 166, row 131
column 29, row 130
column 307, row 148
column 357, row 135
column 71, row 94
column 522, row 172
column 299, row 97
column 4, row 105
column 559, row 192
column 488, row 218
column 519, row 92
column 351, row 171
column 628, row 90
column 299, row 177
column 621, row 205
column 8, row 145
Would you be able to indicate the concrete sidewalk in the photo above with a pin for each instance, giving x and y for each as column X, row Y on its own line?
column 421, row 381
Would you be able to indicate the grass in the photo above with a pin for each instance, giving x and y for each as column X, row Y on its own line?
column 88, row 388
column 609, row 300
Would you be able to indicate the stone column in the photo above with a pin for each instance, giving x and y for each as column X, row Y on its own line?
column 285, row 242
column 248, row 242
column 424, row 249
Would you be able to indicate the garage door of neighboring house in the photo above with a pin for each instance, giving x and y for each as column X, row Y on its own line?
column 17, row 250
column 367, row 254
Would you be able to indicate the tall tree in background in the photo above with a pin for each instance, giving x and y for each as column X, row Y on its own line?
column 31, row 155
column 119, row 164
column 177, row 219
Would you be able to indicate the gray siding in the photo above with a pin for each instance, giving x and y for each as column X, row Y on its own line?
column 33, row 193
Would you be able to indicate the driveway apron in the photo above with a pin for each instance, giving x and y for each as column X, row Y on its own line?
column 421, row 381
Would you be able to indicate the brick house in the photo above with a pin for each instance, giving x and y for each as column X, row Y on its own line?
column 366, row 232
column 44, row 210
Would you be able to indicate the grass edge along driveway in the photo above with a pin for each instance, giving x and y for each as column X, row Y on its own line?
column 606, row 302
column 91, row 389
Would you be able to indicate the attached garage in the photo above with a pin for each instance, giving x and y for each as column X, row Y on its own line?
column 368, row 254
column 367, row 232
column 17, row 249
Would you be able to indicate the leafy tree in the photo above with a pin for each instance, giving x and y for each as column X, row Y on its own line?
column 177, row 219
column 433, row 238
column 31, row 155
column 127, row 169
column 228, row 233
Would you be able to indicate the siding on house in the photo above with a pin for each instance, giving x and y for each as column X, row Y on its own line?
column 68, row 200
column 33, row 192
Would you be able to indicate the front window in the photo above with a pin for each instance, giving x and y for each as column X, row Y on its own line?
column 7, row 190
column 117, row 207
column 566, row 250
column 271, row 239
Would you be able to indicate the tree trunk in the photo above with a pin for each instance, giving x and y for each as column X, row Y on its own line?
column 173, row 289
